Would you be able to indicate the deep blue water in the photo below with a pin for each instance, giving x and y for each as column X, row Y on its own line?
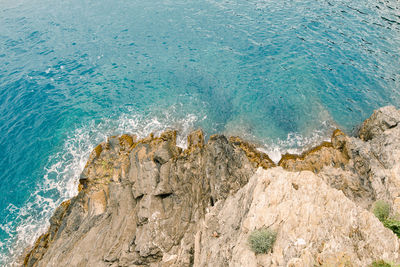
column 280, row 73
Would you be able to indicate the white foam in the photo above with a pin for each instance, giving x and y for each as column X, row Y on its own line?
column 295, row 143
column 274, row 154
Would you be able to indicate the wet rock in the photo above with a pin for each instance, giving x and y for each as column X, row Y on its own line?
column 258, row 158
column 332, row 153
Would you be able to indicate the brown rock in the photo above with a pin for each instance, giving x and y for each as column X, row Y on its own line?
column 259, row 158
column 332, row 153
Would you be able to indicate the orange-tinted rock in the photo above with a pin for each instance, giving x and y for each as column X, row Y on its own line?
column 42, row 243
column 326, row 154
column 127, row 141
column 259, row 158
column 195, row 139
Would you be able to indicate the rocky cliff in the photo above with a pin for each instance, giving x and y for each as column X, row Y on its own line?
column 149, row 203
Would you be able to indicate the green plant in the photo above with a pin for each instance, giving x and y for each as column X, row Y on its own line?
column 262, row 240
column 380, row 263
column 381, row 210
column 393, row 225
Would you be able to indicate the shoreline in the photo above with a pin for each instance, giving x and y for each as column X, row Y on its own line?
column 259, row 145
column 113, row 161
column 257, row 156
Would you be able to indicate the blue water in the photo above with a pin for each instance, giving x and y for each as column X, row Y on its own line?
column 280, row 73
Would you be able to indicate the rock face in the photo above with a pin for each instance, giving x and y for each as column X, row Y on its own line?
column 315, row 224
column 150, row 203
column 140, row 202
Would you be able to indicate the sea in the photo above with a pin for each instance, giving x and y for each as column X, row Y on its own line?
column 280, row 73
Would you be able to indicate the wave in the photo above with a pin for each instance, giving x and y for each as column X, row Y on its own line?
column 294, row 144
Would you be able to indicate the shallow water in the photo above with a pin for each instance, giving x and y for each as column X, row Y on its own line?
column 280, row 73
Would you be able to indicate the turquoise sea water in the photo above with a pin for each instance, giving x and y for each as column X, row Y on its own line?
column 279, row 73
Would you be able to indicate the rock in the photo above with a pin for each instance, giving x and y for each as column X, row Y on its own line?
column 139, row 202
column 148, row 203
column 332, row 153
column 381, row 120
column 363, row 171
column 258, row 158
column 377, row 164
column 195, row 139
column 315, row 225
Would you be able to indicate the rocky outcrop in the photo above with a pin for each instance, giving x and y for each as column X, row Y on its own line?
column 380, row 121
column 365, row 169
column 149, row 203
column 139, row 202
column 377, row 161
column 332, row 153
column 316, row 225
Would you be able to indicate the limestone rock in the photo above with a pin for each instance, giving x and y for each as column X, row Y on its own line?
column 140, row 201
column 315, row 224
column 148, row 203
column 365, row 171
column 381, row 120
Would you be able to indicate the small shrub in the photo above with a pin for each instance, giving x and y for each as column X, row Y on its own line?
column 380, row 263
column 262, row 240
column 381, row 210
column 393, row 225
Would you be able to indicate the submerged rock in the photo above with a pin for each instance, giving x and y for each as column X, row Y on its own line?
column 149, row 203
